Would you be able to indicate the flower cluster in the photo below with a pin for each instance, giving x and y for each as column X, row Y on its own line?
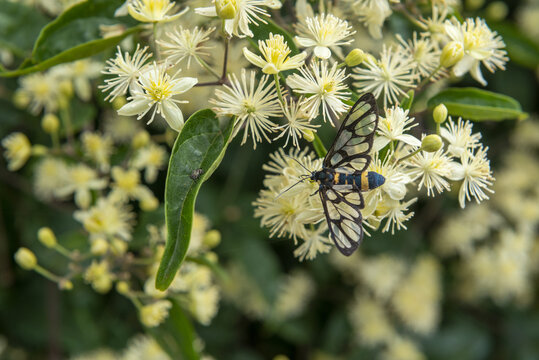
column 287, row 205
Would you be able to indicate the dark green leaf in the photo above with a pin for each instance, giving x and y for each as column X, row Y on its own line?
column 408, row 100
column 476, row 104
column 520, row 48
column 200, row 145
column 74, row 35
column 262, row 31
column 19, row 39
column 176, row 335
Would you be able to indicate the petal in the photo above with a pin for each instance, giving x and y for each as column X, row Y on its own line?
column 476, row 73
column 463, row 66
column 456, row 171
column 379, row 143
column 253, row 59
column 305, row 42
column 184, row 84
column 322, row 52
column 270, row 69
column 206, row 11
column 409, row 139
column 173, row 115
column 135, row 107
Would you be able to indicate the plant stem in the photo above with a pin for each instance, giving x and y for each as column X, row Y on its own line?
column 278, row 86
column 408, row 156
column 207, row 67
column 66, row 119
column 319, row 147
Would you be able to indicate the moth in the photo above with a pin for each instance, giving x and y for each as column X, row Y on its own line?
column 196, row 174
column 344, row 175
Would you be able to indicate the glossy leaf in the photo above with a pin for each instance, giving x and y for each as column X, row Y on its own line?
column 200, row 145
column 74, row 35
column 476, row 104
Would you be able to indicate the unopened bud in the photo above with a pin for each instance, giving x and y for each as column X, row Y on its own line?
column 66, row 88
column 431, row 143
column 118, row 102
column 122, row 287
column 212, row 257
column 474, row 4
column 46, row 237
column 149, row 203
column 21, row 99
column 212, row 238
column 439, row 114
column 65, row 284
column 99, row 247
column 141, row 139
column 25, row 258
column 118, row 246
column 497, row 11
column 39, row 150
column 452, row 53
column 354, row 57
column 226, row 9
column 50, row 123
column 308, row 135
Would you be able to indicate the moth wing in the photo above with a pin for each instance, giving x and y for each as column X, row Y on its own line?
column 342, row 209
column 354, row 139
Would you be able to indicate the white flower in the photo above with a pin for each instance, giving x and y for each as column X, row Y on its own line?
column 298, row 124
column 321, row 87
column 396, row 179
column 392, row 128
column 153, row 11
column 459, row 136
column 394, row 212
column 252, row 105
column 324, row 32
column 50, row 174
column 390, row 75
column 152, row 158
column 18, row 150
column 154, row 314
column 80, row 181
column 425, row 54
column 314, row 242
column 246, row 12
column 185, row 43
column 372, row 13
column 481, row 45
column 475, row 172
column 81, row 72
column 275, row 51
column 434, row 26
column 158, row 88
column 431, row 167
column 108, row 218
column 126, row 70
column 40, row 91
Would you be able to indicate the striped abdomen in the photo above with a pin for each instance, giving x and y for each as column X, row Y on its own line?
column 364, row 181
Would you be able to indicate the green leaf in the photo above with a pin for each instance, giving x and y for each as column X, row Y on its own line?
column 476, row 104
column 176, row 335
column 19, row 39
column 408, row 100
column 520, row 48
column 262, row 31
column 74, row 35
column 200, row 145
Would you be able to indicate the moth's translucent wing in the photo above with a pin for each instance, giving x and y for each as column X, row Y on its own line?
column 342, row 209
column 353, row 142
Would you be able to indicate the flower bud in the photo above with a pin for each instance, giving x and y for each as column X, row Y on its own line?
column 212, row 238
column 497, row 11
column 46, row 237
column 118, row 246
column 99, row 246
column 212, row 257
column 118, row 102
column 39, row 150
column 439, row 114
column 308, row 135
column 65, row 284
column 122, row 287
column 25, row 258
column 452, row 53
column 226, row 9
column 431, row 143
column 141, row 139
column 354, row 57
column 474, row 4
column 21, row 99
column 50, row 123
column 149, row 203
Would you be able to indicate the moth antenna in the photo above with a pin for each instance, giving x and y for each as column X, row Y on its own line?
column 303, row 178
column 300, row 164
